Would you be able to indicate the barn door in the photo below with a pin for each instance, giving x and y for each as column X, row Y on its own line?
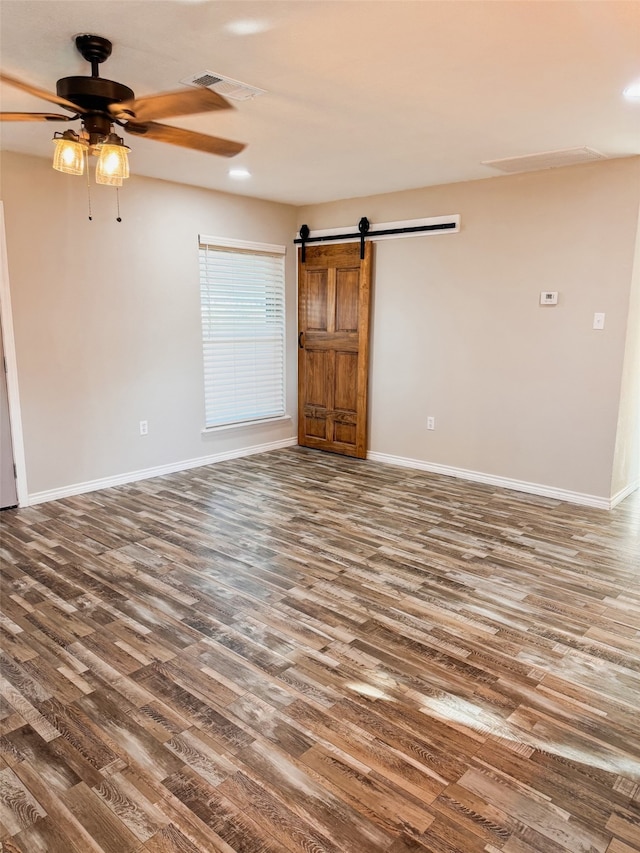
column 334, row 288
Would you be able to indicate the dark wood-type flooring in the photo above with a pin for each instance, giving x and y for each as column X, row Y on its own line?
column 302, row 652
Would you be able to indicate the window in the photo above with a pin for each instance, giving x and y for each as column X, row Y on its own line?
column 243, row 330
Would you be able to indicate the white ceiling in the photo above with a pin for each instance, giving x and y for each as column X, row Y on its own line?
column 363, row 97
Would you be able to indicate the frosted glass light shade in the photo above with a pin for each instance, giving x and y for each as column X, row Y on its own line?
column 68, row 156
column 113, row 164
column 108, row 180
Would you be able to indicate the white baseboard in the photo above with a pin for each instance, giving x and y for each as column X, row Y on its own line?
column 147, row 473
column 386, row 458
column 502, row 482
column 624, row 493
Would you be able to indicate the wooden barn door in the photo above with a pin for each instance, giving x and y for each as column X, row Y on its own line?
column 334, row 288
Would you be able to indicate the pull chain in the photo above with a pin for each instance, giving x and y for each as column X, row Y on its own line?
column 118, row 218
column 86, row 154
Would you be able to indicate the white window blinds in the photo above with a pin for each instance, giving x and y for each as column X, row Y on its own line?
column 243, row 330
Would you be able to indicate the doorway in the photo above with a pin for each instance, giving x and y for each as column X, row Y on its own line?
column 8, row 488
column 13, row 479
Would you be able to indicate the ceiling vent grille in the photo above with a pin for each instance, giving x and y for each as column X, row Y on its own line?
column 225, row 86
column 545, row 160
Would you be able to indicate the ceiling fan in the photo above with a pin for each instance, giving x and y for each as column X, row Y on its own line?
column 100, row 103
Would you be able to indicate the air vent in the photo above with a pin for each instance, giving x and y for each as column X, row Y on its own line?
column 225, row 86
column 545, row 160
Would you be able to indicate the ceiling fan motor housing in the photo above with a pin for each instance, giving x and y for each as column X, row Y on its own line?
column 94, row 94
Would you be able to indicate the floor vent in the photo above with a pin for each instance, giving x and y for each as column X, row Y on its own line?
column 225, row 86
column 545, row 160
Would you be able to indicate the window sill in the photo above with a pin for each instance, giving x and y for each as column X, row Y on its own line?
column 244, row 424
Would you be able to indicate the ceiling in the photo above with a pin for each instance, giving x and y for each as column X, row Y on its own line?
column 362, row 97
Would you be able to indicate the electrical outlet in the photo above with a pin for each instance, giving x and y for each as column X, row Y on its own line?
column 431, row 423
column 144, row 427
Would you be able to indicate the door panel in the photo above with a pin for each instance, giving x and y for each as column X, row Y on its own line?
column 316, row 427
column 347, row 301
column 346, row 398
column 316, row 385
column 317, row 302
column 345, row 434
column 333, row 317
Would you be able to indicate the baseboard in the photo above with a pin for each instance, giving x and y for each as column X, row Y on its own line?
column 386, row 458
column 160, row 470
column 491, row 480
column 624, row 493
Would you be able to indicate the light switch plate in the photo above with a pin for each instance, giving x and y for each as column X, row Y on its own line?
column 598, row 321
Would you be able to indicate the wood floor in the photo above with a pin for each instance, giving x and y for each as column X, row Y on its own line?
column 302, row 652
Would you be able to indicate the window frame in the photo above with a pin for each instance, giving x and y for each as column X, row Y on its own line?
column 259, row 249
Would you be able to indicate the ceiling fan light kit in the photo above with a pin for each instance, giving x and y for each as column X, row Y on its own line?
column 99, row 104
column 68, row 156
column 113, row 162
column 72, row 149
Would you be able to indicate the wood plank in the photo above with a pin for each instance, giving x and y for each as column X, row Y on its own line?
column 302, row 651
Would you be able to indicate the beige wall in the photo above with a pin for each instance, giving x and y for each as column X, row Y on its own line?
column 519, row 391
column 107, row 322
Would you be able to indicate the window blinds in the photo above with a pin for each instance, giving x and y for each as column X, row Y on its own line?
column 243, row 331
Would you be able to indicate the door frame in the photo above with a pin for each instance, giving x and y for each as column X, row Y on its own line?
column 13, row 393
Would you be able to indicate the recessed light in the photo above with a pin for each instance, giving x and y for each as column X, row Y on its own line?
column 247, row 26
column 239, row 173
column 632, row 92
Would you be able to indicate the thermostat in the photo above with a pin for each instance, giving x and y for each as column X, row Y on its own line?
column 549, row 297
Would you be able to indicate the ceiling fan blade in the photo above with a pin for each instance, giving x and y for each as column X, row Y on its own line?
column 41, row 93
column 34, row 117
column 186, row 138
column 166, row 104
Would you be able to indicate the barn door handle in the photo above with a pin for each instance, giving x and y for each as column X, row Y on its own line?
column 300, row 340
